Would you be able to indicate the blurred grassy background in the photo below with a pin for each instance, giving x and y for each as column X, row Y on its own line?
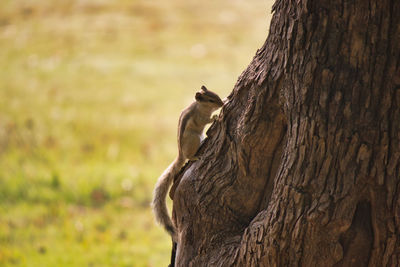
column 90, row 95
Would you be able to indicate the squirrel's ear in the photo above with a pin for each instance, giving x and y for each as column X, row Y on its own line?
column 198, row 96
column 203, row 88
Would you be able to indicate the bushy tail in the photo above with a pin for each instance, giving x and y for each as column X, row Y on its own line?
column 160, row 194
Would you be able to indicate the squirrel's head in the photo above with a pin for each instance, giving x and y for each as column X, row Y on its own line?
column 211, row 99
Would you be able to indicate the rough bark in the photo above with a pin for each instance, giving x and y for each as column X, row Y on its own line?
column 303, row 167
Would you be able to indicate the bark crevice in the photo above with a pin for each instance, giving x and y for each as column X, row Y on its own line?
column 357, row 241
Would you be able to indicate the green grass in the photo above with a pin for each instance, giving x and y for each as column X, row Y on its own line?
column 90, row 94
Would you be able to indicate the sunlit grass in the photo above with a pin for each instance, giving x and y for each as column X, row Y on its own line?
column 90, row 94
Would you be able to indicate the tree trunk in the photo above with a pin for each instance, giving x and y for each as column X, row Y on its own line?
column 303, row 166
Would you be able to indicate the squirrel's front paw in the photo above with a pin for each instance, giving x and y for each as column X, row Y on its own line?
column 195, row 158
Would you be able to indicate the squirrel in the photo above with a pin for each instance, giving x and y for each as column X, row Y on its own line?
column 192, row 121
